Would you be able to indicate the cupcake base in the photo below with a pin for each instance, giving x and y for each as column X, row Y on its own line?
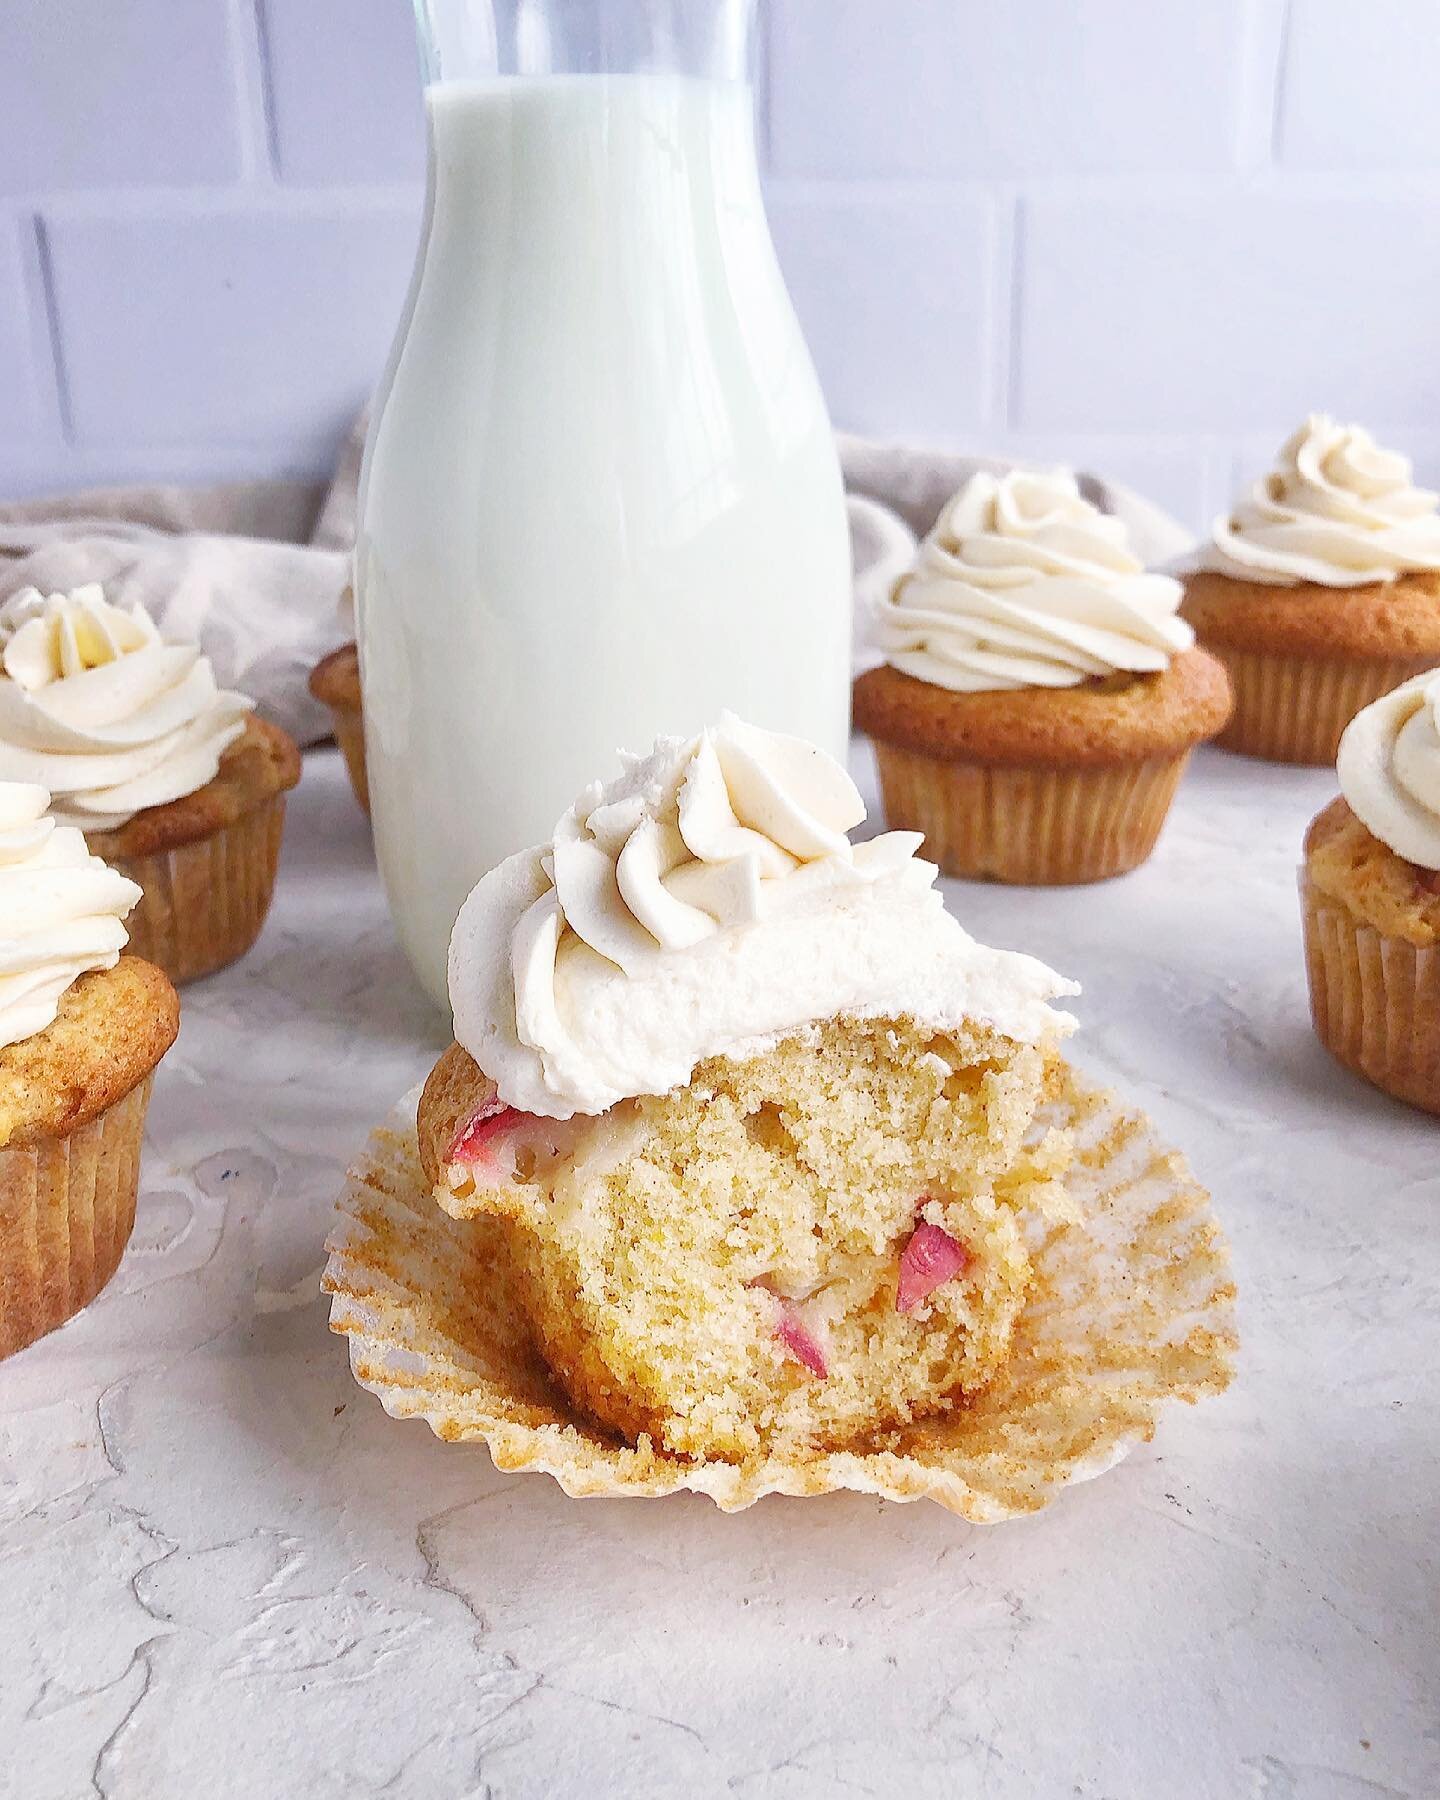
column 335, row 682
column 350, row 736
column 1375, row 1000
column 205, row 902
column 1031, row 826
column 67, row 1208
column 1131, row 1308
column 1292, row 709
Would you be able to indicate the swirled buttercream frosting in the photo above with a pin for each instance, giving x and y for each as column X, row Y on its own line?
column 1389, row 769
column 96, row 708
column 708, row 902
column 60, row 911
column 1022, row 583
column 1336, row 510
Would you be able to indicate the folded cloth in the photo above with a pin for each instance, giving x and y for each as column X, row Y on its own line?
column 254, row 572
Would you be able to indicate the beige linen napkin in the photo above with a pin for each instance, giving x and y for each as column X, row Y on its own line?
column 254, row 571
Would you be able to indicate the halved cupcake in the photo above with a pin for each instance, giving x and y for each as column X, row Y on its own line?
column 172, row 779
column 81, row 1030
column 757, row 1112
column 1038, row 698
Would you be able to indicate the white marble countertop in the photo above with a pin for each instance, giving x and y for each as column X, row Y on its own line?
column 225, row 1572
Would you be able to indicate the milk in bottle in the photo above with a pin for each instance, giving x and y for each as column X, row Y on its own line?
column 601, row 499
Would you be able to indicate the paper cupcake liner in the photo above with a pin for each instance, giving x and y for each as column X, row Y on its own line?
column 350, row 736
column 1291, row 709
column 1375, row 999
column 67, row 1208
column 1130, row 1309
column 203, row 904
column 1035, row 827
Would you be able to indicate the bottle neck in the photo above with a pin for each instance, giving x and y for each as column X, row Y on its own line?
column 473, row 40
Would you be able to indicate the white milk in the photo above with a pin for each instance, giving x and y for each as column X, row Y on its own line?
column 601, row 499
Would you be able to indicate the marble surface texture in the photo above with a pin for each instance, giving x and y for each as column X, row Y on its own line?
column 225, row 1573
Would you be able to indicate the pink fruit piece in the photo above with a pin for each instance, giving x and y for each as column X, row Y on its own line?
column 476, row 1138
column 800, row 1341
column 495, row 1139
column 491, row 1141
column 929, row 1260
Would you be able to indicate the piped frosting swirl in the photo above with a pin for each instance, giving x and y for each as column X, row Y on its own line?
column 705, row 903
column 96, row 708
column 1023, row 583
column 1336, row 510
column 60, row 912
column 1389, row 769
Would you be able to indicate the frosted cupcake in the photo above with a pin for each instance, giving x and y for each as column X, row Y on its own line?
column 756, row 1109
column 1371, row 894
column 81, row 1030
column 172, row 779
column 1039, row 696
column 1320, row 591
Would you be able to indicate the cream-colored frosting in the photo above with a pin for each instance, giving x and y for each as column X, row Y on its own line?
column 1023, row 583
column 94, row 707
column 1337, row 510
column 1389, row 769
column 60, row 911
column 706, row 903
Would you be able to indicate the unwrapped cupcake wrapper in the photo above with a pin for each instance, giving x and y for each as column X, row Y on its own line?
column 67, row 1208
column 350, row 736
column 1293, row 709
column 1130, row 1308
column 1375, row 999
column 1030, row 825
column 204, row 903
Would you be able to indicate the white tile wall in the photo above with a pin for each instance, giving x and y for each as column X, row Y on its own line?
column 965, row 88
column 259, row 321
column 1142, row 234
column 19, row 417
column 100, row 93
column 323, row 57
column 1206, row 311
column 1361, row 85
column 882, row 277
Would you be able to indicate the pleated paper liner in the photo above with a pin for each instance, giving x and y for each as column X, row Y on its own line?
column 1130, row 1309
column 1293, row 709
column 203, row 904
column 67, row 1209
column 1375, row 999
column 1033, row 826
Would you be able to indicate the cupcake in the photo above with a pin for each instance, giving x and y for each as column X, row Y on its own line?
column 173, row 780
column 756, row 1113
column 81, row 1030
column 335, row 682
column 1370, row 890
column 1320, row 592
column 1039, row 698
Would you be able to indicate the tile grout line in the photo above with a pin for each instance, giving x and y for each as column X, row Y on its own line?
column 250, row 59
column 51, row 318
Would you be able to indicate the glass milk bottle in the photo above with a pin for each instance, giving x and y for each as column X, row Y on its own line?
column 600, row 499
